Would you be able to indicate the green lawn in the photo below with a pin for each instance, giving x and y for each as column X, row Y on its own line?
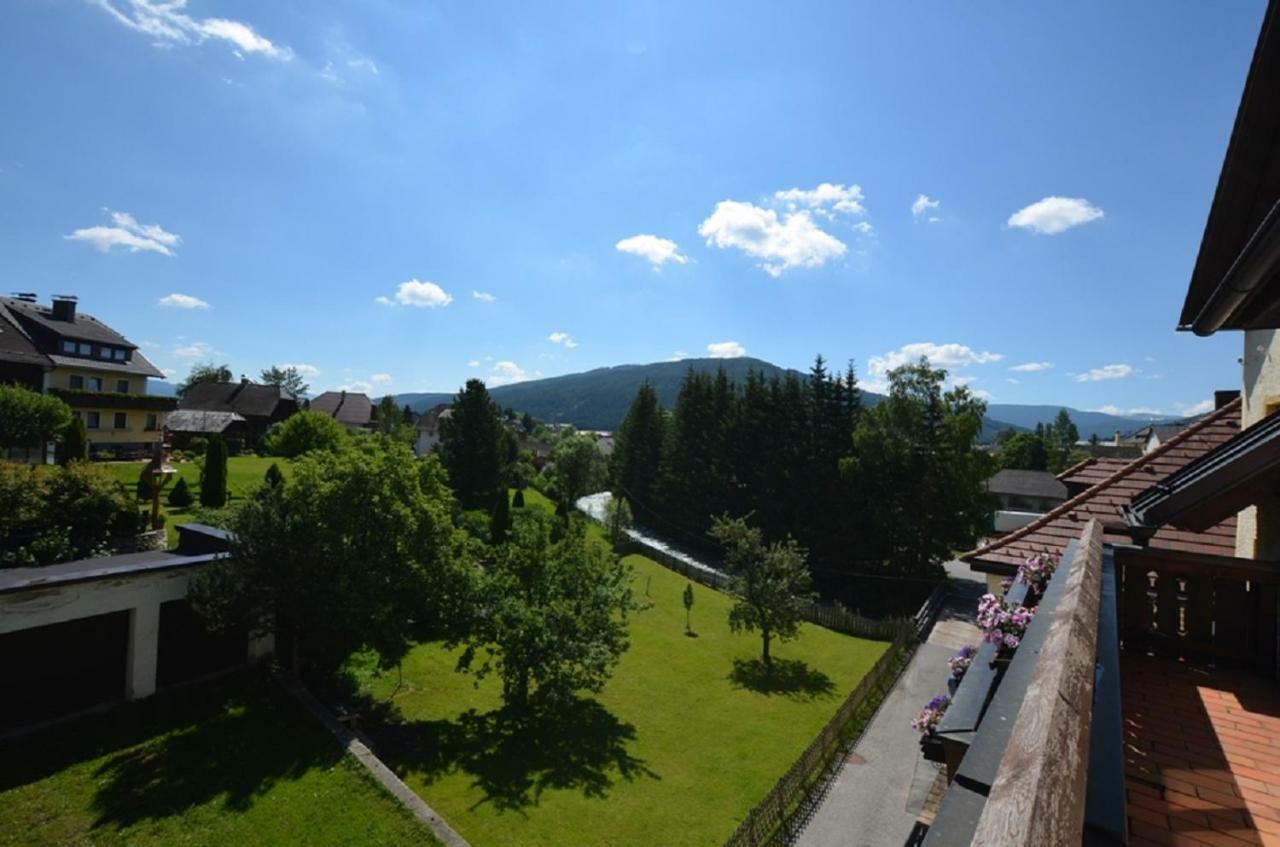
column 233, row 762
column 685, row 739
column 244, row 473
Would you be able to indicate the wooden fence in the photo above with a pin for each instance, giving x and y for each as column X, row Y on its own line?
column 835, row 617
column 773, row 818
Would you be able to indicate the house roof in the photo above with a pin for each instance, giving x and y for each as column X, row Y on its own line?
column 430, row 419
column 1233, row 475
column 1027, row 484
column 1092, row 471
column 198, row 420
column 351, row 408
column 18, row 318
column 85, row 327
column 1107, row 498
column 139, row 366
column 15, row 344
column 1248, row 188
column 246, row 398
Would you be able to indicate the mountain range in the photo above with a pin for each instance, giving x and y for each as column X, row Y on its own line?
column 599, row 399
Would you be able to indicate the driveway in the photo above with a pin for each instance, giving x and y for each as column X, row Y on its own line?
column 878, row 793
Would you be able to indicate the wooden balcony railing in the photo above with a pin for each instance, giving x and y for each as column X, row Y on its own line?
column 1199, row 609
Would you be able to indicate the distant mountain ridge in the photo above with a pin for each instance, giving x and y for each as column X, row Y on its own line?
column 599, row 398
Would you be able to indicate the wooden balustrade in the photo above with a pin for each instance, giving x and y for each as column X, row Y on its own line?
column 1195, row 609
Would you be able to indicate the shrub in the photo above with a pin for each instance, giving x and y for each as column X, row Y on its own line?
column 75, row 443
column 273, row 477
column 305, row 432
column 518, row 501
column 213, row 476
column 29, row 418
column 180, row 496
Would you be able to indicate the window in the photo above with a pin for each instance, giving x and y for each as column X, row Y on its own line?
column 90, row 420
column 120, row 421
column 95, row 383
column 69, row 347
column 104, row 352
column 86, row 349
column 76, row 382
column 119, row 355
column 151, row 423
column 122, row 386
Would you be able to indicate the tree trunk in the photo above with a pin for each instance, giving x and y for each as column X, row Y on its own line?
column 764, row 638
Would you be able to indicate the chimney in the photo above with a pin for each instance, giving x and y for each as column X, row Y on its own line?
column 1222, row 398
column 64, row 308
column 25, row 296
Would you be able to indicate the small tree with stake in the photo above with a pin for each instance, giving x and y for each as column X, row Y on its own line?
column 688, row 608
column 769, row 583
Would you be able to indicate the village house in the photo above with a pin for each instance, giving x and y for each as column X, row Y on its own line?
column 97, row 371
column 1022, row 495
column 258, row 406
column 352, row 409
column 428, row 428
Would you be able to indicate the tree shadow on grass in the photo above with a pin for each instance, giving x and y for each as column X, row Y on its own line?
column 233, row 755
column 514, row 757
column 787, row 677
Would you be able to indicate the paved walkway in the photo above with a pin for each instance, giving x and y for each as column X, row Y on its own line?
column 882, row 786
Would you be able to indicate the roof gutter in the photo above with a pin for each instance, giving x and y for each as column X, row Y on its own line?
column 1256, row 265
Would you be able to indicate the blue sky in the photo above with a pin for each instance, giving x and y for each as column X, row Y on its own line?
column 403, row 195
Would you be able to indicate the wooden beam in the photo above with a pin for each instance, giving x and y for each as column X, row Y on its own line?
column 1038, row 796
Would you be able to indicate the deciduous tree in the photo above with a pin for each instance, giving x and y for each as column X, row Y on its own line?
column 553, row 615
column 769, row 583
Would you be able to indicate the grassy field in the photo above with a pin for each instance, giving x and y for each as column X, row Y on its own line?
column 686, row 738
column 244, row 473
column 233, row 762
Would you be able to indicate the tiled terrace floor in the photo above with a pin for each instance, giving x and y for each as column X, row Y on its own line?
column 1202, row 755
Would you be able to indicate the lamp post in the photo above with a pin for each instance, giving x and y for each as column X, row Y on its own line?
column 158, row 473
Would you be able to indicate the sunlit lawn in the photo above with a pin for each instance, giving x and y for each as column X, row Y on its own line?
column 675, row 751
column 244, row 473
column 233, row 762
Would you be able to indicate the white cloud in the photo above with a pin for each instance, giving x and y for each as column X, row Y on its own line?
column 358, row 386
column 417, row 293
column 1012, row 381
column 1053, row 215
column 679, row 356
column 826, row 199
column 922, row 205
column 939, row 355
column 380, row 378
column 484, row 296
column 793, row 242
column 474, row 363
column 182, row 301
column 166, row 23
column 864, row 227
column 1032, row 367
column 302, row 368
column 363, row 63
column 562, row 338
column 726, row 350
column 1203, row 407
column 126, row 232
column 1111, row 409
column 506, row 373
column 194, row 350
column 1105, row 372
column 656, row 251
